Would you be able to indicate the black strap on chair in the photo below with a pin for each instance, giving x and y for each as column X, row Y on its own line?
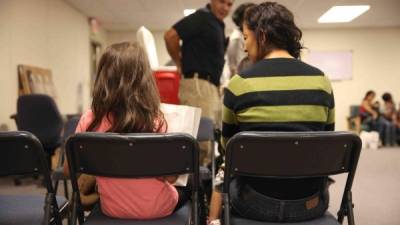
column 293, row 155
column 132, row 156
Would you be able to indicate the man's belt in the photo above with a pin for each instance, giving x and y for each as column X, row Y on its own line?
column 198, row 75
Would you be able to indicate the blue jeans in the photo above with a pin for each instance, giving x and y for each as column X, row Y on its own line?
column 248, row 203
column 386, row 129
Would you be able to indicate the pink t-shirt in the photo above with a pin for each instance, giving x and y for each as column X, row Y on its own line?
column 146, row 198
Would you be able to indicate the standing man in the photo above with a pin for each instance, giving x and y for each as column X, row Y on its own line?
column 200, row 59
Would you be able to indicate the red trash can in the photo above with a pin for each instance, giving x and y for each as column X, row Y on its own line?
column 168, row 85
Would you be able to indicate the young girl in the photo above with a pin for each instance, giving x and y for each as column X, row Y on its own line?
column 126, row 100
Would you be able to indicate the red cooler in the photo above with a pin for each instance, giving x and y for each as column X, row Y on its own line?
column 168, row 85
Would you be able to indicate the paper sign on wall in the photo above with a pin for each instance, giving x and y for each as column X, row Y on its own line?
column 337, row 65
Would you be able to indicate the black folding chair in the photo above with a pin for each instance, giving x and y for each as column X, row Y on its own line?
column 134, row 156
column 206, row 133
column 293, row 155
column 58, row 174
column 22, row 154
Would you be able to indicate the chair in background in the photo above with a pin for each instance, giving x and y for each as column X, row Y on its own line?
column 134, row 156
column 293, row 155
column 58, row 173
column 22, row 154
column 39, row 115
column 206, row 133
column 354, row 121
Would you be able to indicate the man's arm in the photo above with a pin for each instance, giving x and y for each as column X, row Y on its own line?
column 172, row 39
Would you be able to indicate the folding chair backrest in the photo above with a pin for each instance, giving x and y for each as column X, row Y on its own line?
column 21, row 153
column 292, row 154
column 132, row 155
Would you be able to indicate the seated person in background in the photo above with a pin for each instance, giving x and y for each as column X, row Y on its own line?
column 277, row 93
column 389, row 108
column 126, row 100
column 398, row 117
column 376, row 106
column 398, row 125
column 370, row 115
column 390, row 114
column 367, row 111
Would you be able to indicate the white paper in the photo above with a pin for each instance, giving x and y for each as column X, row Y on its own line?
column 182, row 118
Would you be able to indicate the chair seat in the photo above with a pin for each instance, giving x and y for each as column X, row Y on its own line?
column 327, row 219
column 24, row 209
column 180, row 217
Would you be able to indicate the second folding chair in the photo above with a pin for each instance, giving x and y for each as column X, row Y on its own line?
column 58, row 174
column 292, row 155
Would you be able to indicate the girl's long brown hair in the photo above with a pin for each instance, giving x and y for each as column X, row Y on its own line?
column 125, row 92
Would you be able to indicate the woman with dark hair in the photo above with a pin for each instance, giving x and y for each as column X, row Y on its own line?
column 389, row 113
column 389, row 108
column 277, row 93
column 367, row 110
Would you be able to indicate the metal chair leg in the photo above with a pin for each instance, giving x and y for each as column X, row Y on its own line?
column 66, row 188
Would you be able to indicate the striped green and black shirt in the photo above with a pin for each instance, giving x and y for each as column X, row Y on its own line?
column 279, row 94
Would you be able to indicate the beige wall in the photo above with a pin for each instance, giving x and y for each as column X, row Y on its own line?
column 376, row 63
column 45, row 33
column 120, row 36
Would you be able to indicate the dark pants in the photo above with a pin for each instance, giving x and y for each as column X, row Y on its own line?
column 385, row 128
column 184, row 195
column 248, row 203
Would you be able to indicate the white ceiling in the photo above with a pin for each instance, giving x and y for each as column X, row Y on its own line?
column 161, row 14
